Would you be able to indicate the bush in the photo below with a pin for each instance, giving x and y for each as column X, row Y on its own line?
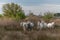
column 47, row 16
column 13, row 10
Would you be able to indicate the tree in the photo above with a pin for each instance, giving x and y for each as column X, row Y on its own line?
column 57, row 14
column 47, row 16
column 13, row 10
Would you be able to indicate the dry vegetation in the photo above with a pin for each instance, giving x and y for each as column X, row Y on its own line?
column 11, row 30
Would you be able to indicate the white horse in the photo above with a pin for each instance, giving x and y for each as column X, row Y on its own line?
column 51, row 25
column 24, row 25
column 41, row 25
column 45, row 24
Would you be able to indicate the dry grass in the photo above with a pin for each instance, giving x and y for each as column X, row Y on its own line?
column 33, row 35
column 11, row 30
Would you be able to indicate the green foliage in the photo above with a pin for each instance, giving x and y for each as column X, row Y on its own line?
column 57, row 14
column 20, row 16
column 1, row 15
column 13, row 10
column 48, row 16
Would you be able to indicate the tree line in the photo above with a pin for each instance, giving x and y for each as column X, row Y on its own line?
column 15, row 11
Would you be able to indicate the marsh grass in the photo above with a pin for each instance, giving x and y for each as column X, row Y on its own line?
column 11, row 30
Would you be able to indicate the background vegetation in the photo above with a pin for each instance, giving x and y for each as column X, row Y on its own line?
column 14, row 11
column 10, row 29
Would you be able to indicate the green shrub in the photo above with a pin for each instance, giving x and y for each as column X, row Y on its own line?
column 48, row 16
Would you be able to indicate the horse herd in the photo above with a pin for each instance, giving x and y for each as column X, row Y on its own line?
column 40, row 25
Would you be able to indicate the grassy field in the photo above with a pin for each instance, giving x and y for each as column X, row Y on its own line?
column 11, row 30
column 44, row 34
